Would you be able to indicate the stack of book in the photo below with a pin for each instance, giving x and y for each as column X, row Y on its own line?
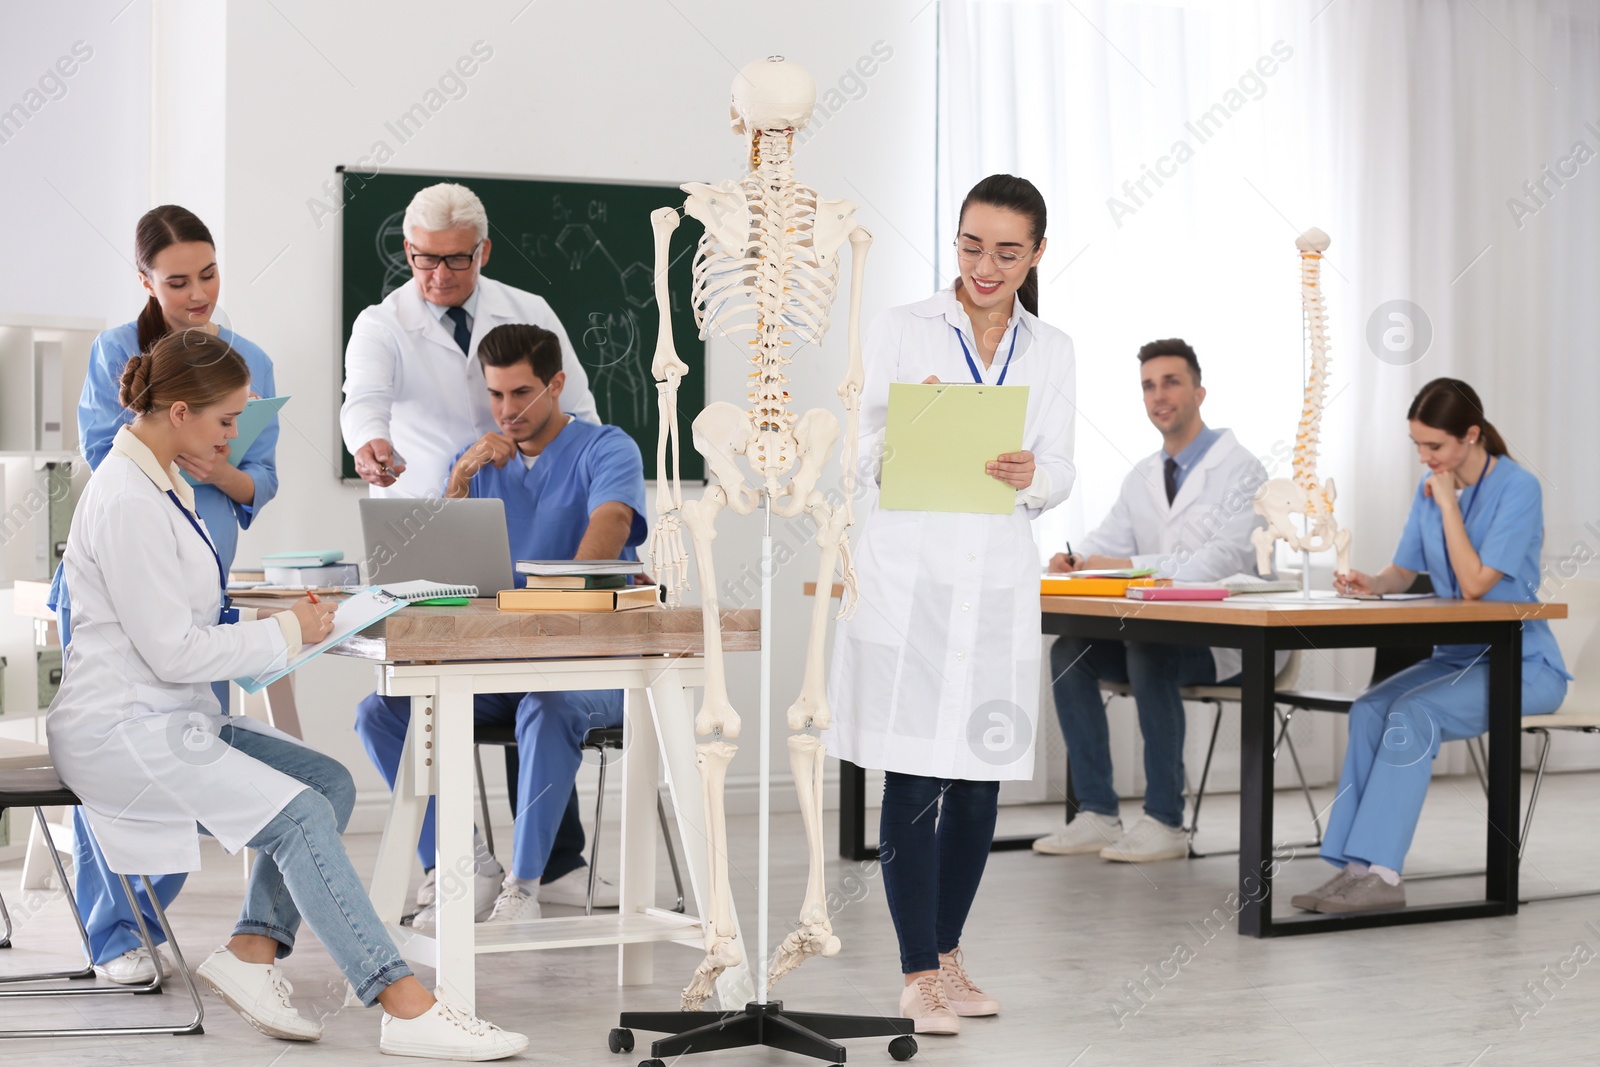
column 309, row 570
column 579, row 585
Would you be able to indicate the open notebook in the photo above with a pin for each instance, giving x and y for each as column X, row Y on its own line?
column 354, row 615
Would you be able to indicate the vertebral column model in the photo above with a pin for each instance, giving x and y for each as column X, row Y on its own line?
column 1304, row 495
column 765, row 276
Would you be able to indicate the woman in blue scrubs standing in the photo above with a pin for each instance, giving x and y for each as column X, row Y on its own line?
column 177, row 262
column 1476, row 527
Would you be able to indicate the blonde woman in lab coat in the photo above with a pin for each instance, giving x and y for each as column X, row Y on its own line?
column 936, row 677
column 137, row 733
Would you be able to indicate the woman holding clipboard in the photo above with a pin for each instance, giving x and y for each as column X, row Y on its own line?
column 935, row 678
column 137, row 733
column 177, row 263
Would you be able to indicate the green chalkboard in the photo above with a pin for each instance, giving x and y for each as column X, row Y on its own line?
column 587, row 248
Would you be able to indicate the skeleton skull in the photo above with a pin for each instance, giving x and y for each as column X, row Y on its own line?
column 772, row 94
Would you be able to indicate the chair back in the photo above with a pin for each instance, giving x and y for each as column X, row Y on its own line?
column 1578, row 636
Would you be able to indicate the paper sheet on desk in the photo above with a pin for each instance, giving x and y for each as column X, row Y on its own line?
column 355, row 614
column 938, row 441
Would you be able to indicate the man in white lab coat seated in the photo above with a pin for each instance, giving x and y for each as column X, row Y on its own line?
column 1187, row 511
column 414, row 395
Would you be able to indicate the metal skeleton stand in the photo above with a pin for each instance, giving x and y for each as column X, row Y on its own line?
column 761, row 1022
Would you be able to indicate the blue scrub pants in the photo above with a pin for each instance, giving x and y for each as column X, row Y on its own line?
column 1156, row 672
column 1396, row 728
column 550, row 729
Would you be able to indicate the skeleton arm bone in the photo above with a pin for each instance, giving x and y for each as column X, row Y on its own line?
column 850, row 389
column 668, row 560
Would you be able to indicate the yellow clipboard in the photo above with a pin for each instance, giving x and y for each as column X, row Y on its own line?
column 939, row 440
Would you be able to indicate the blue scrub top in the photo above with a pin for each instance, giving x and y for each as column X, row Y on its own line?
column 101, row 415
column 1505, row 523
column 548, row 505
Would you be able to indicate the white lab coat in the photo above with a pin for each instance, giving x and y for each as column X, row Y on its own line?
column 1202, row 536
column 133, row 728
column 937, row 673
column 406, row 381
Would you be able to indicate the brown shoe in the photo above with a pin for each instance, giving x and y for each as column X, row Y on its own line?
column 1309, row 901
column 925, row 1002
column 1369, row 893
column 965, row 998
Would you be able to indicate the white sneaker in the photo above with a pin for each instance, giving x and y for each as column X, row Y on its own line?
column 573, row 888
column 133, row 967
column 485, row 890
column 927, row 1005
column 260, row 993
column 514, row 905
column 427, row 893
column 445, row 1032
column 1087, row 833
column 1149, row 840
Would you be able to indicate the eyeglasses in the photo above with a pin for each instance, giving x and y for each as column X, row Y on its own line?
column 971, row 253
column 457, row 261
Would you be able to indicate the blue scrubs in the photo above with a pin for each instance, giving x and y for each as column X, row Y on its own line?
column 547, row 513
column 105, row 910
column 1397, row 726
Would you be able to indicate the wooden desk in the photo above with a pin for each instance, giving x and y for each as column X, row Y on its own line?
column 1260, row 625
column 441, row 657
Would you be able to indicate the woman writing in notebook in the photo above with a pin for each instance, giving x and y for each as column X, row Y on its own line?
column 1475, row 528
column 177, row 264
column 936, row 677
column 137, row 733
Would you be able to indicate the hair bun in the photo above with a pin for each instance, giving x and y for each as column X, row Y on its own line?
column 135, row 391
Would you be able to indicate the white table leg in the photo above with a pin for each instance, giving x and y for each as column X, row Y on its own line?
column 391, row 876
column 452, row 759
column 641, row 757
column 674, row 719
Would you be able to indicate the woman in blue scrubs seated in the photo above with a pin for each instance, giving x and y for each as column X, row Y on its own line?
column 572, row 490
column 1476, row 527
column 177, row 262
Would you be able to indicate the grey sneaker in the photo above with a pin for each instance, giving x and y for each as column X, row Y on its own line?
column 1369, row 893
column 1309, row 901
column 1146, row 841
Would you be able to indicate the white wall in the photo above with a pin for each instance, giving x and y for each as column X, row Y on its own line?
column 624, row 91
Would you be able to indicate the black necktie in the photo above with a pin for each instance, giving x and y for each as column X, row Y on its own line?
column 463, row 335
column 1171, row 468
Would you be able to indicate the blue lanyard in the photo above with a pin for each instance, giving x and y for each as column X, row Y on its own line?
column 973, row 367
column 229, row 613
column 1466, row 512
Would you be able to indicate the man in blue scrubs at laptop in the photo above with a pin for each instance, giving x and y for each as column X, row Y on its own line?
column 572, row 490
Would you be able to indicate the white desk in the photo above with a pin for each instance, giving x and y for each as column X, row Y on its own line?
column 654, row 655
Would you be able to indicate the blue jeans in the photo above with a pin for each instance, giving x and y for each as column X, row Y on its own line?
column 303, row 869
column 550, row 729
column 1396, row 728
column 1156, row 672
column 934, row 836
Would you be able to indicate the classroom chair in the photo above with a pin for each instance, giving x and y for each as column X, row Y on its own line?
column 37, row 787
column 599, row 740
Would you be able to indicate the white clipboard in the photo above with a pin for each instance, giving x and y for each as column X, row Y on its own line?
column 353, row 615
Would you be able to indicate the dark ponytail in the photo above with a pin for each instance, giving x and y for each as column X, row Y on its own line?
column 1451, row 405
column 159, row 229
column 1020, row 195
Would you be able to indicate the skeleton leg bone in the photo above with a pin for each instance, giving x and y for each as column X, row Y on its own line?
column 722, row 943
column 815, row 934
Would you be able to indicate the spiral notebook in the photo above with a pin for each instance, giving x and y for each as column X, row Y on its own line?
column 422, row 589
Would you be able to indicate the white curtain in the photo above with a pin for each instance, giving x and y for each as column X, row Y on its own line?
column 1182, row 146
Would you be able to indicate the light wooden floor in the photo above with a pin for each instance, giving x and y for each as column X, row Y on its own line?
column 1056, row 940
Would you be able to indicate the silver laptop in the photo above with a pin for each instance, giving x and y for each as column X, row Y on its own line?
column 458, row 542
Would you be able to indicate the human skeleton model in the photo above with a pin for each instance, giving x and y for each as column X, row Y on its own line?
column 1304, row 494
column 765, row 274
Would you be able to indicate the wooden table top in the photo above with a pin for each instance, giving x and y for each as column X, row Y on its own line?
column 481, row 631
column 1288, row 609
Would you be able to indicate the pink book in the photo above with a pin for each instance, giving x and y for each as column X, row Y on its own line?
column 1169, row 592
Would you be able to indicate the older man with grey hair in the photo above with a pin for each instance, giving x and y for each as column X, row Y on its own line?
column 414, row 394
